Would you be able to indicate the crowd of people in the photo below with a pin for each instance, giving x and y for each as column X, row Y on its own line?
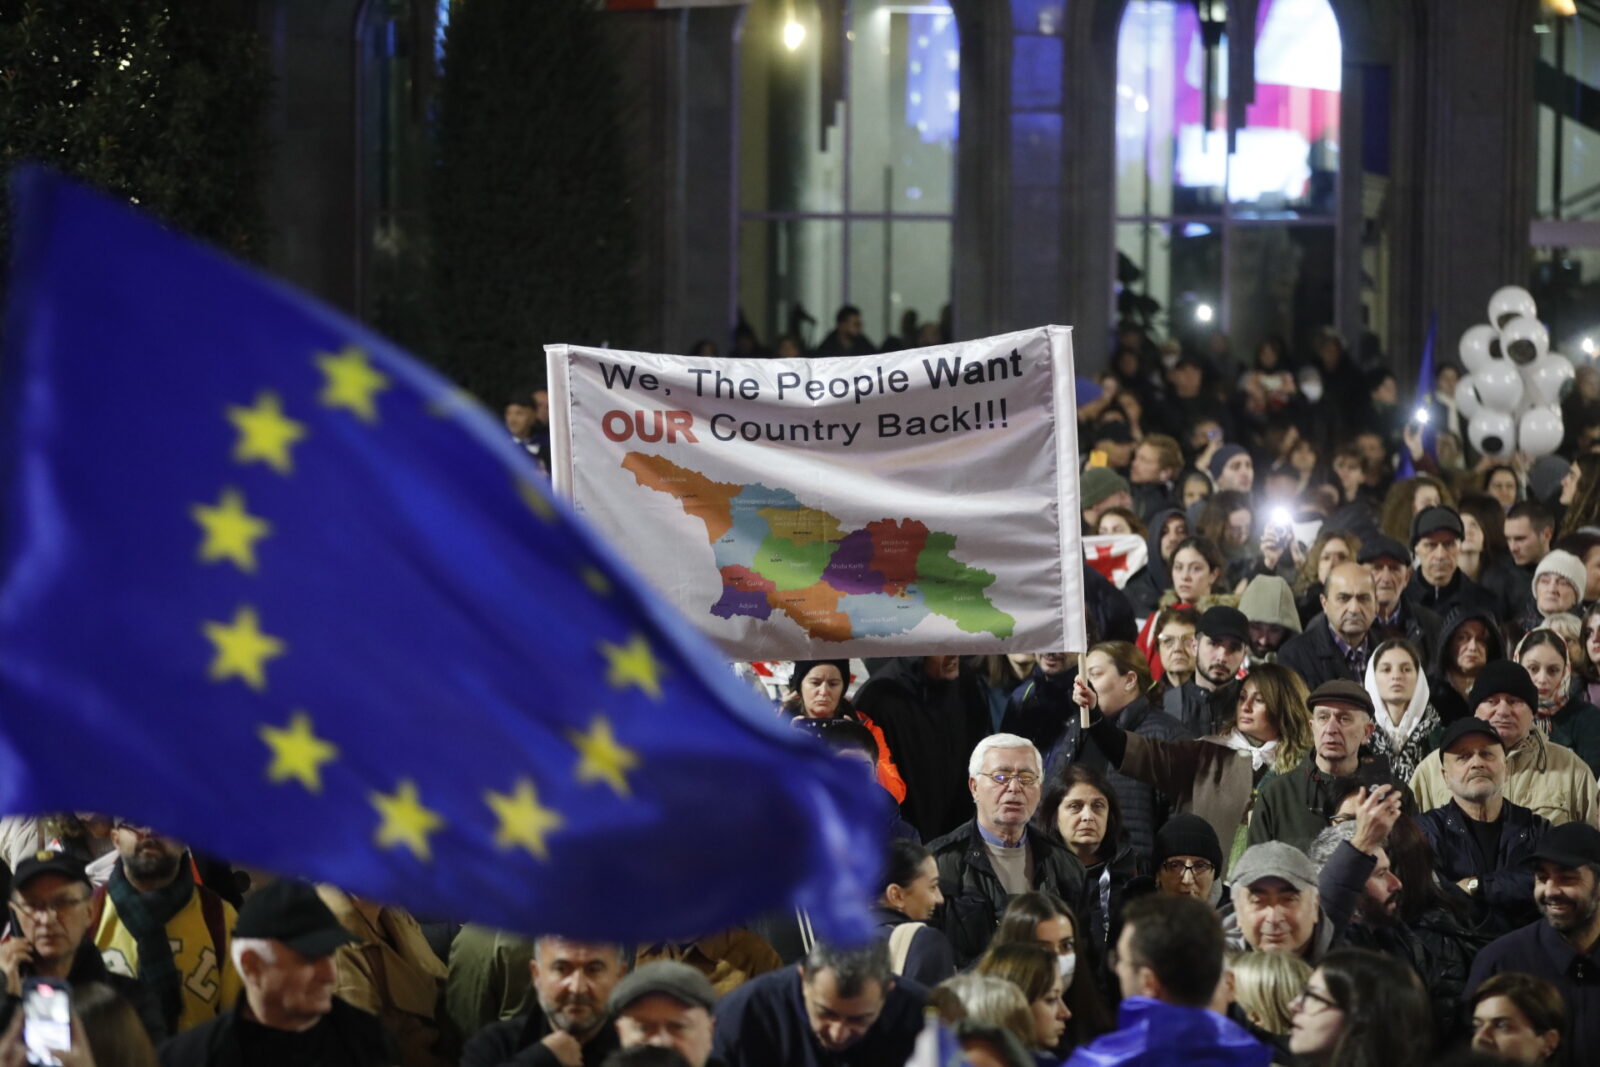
column 1321, row 791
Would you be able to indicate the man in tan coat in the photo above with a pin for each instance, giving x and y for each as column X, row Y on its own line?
column 1541, row 775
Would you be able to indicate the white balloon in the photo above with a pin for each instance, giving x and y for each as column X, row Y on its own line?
column 1509, row 301
column 1475, row 347
column 1524, row 339
column 1493, row 433
column 1499, row 387
column 1539, row 431
column 1467, row 401
column 1549, row 378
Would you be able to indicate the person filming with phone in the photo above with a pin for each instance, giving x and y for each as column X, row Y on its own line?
column 52, row 914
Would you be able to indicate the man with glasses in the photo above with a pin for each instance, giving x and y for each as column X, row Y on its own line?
column 1438, row 583
column 1187, row 857
column 1292, row 807
column 159, row 925
column 999, row 854
column 52, row 908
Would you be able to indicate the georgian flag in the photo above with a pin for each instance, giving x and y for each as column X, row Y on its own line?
column 1116, row 556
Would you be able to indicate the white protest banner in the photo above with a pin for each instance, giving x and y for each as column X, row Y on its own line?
column 919, row 502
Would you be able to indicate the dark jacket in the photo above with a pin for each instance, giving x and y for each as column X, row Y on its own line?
column 230, row 1040
column 1202, row 711
column 1041, row 707
column 1109, row 612
column 1461, row 592
column 1144, row 589
column 517, row 1042
column 89, row 966
column 1538, row 950
column 1510, row 584
column 1144, row 809
column 763, row 1023
column 930, row 959
column 1449, row 703
column 974, row 899
column 1416, row 624
column 1315, row 656
column 1577, row 726
column 1505, row 888
column 1293, row 807
column 931, row 726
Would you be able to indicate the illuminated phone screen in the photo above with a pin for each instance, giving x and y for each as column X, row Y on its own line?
column 46, row 1019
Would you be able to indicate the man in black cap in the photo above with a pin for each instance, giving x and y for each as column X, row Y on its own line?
column 1562, row 948
column 1290, row 807
column 283, row 948
column 1206, row 700
column 1547, row 778
column 1390, row 564
column 1438, row 583
column 1481, row 841
column 1336, row 644
column 667, row 1004
column 573, row 980
column 52, row 904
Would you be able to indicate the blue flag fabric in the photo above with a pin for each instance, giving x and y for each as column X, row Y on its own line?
column 272, row 587
column 1406, row 468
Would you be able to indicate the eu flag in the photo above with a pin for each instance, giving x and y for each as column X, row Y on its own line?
column 271, row 586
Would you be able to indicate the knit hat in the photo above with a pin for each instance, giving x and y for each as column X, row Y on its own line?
column 1564, row 564
column 1503, row 676
column 802, row 667
column 1220, row 457
column 1268, row 598
column 1097, row 483
column 1544, row 478
column 1187, row 834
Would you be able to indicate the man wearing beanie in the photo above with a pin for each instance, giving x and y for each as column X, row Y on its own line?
column 1541, row 775
column 1100, row 488
column 1188, row 859
column 1558, row 584
column 1232, row 468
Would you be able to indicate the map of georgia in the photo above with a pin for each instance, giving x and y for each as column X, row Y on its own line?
column 776, row 554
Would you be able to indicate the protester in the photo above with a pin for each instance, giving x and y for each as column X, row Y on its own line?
column 1169, row 528
column 1486, row 557
column 840, row 1008
column 161, row 926
column 1265, row 984
column 1558, row 584
column 1207, row 698
column 1267, row 604
column 1277, row 903
column 1519, row 1018
column 1176, row 632
column 283, row 948
column 1081, row 810
column 666, row 1005
column 1188, row 859
column 1101, row 489
column 1560, row 949
column 1289, row 808
column 907, row 900
column 994, row 1001
column 1331, row 548
column 1044, row 919
column 569, row 1026
column 1406, row 719
column 1542, row 776
column 489, row 978
column 1361, row 1008
column 1033, row 970
column 1438, row 583
column 1156, row 463
column 1336, row 644
column 1566, row 719
column 1169, row 963
column 1121, row 521
column 998, row 853
column 1587, row 661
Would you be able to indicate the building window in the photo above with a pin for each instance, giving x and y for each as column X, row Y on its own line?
column 1208, row 239
column 1566, row 228
column 847, row 139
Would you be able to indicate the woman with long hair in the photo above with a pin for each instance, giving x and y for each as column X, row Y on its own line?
column 1044, row 919
column 817, row 689
column 1405, row 716
column 1362, row 1009
column 1331, row 548
column 1564, row 718
column 1080, row 810
column 1580, row 493
column 1217, row 777
column 1503, row 483
column 1586, row 662
column 1033, row 969
column 1408, row 497
column 1484, row 555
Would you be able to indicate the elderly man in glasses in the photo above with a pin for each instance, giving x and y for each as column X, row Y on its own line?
column 998, row 854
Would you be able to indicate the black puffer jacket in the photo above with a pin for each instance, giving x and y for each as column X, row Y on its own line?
column 1449, row 703
column 974, row 899
column 1505, row 891
column 1143, row 808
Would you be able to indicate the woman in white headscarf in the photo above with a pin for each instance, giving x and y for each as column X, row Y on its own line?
column 1408, row 726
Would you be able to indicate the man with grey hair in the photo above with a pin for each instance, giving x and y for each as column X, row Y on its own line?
column 1277, row 905
column 839, row 1008
column 998, row 854
column 570, row 1027
column 283, row 948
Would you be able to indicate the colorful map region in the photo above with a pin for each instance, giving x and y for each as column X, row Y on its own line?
column 777, row 554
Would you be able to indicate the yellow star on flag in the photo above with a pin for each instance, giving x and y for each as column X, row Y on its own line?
column 523, row 820
column 536, row 502
column 231, row 532
column 632, row 664
column 352, row 383
column 405, row 821
column 242, row 649
column 265, row 432
column 297, row 752
column 602, row 758
column 597, row 582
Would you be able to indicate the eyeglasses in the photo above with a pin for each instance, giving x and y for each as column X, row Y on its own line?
column 1181, row 868
column 132, row 828
column 1342, row 817
column 44, row 909
column 1026, row 779
column 1309, row 994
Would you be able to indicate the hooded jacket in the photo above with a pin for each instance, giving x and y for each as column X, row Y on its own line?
column 1144, row 589
column 1450, row 704
column 1407, row 742
column 1268, row 598
column 1153, row 1032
